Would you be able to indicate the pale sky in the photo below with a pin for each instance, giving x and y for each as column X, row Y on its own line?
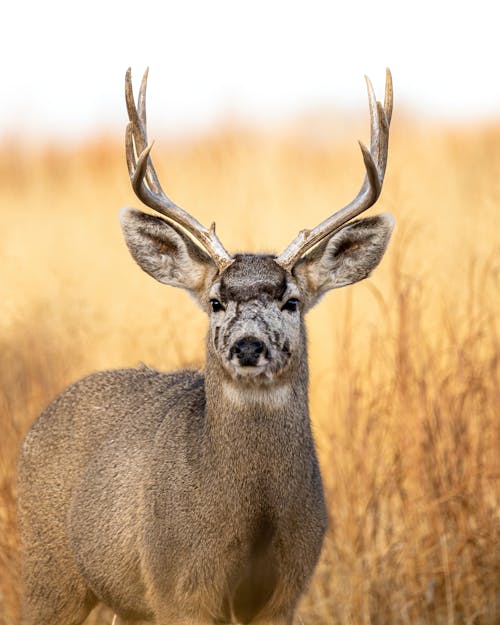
column 63, row 63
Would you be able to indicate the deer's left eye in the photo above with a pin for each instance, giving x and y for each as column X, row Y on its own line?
column 216, row 305
column 291, row 305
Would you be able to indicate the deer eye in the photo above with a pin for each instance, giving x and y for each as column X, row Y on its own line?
column 291, row 305
column 216, row 305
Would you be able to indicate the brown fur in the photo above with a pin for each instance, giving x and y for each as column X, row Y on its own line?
column 189, row 498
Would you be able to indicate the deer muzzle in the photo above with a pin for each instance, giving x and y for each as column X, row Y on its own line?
column 249, row 352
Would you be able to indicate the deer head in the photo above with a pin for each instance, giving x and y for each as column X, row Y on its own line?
column 256, row 302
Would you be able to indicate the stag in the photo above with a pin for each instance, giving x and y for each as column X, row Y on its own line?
column 191, row 497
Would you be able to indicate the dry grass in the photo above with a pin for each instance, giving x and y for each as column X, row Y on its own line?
column 405, row 366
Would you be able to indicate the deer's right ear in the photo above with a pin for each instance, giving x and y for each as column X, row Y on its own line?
column 166, row 253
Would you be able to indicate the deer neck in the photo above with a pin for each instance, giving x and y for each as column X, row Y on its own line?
column 256, row 431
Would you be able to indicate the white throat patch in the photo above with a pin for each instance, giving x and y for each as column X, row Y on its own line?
column 272, row 396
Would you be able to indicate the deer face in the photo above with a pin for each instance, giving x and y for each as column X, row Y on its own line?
column 256, row 318
column 256, row 307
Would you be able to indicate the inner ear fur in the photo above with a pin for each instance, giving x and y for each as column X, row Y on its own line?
column 165, row 252
column 347, row 256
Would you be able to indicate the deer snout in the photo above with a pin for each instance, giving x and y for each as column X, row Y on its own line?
column 248, row 351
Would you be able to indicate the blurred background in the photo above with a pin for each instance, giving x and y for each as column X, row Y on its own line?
column 256, row 109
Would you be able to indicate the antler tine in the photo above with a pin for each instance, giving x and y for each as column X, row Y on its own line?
column 388, row 96
column 142, row 98
column 375, row 160
column 139, row 130
column 137, row 117
column 145, row 181
column 374, row 119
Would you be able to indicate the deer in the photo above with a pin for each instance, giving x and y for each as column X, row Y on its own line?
column 195, row 497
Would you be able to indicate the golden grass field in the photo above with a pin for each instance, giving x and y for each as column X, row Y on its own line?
column 404, row 366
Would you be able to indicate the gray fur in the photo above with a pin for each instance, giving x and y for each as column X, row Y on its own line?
column 189, row 498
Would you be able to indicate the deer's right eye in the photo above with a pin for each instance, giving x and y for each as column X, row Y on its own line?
column 216, row 305
column 291, row 305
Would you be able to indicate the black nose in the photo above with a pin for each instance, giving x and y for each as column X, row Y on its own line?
column 247, row 350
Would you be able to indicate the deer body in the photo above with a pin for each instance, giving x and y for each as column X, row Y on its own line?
column 240, row 503
column 192, row 498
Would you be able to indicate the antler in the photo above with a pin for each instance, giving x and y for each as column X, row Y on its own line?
column 375, row 161
column 145, row 181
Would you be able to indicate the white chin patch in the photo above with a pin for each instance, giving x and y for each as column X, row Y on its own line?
column 247, row 372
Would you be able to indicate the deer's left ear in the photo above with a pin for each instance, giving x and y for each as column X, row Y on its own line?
column 347, row 256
